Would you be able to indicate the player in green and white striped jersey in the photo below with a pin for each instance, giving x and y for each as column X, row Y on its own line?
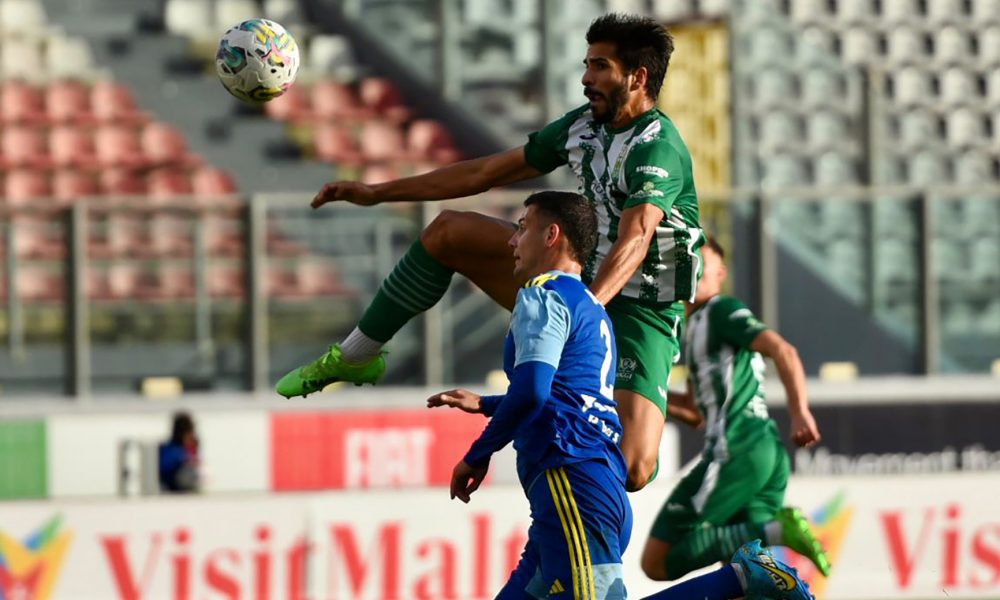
column 630, row 162
column 736, row 491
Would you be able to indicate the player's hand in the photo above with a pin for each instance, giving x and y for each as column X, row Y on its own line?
column 465, row 480
column 460, row 399
column 354, row 192
column 805, row 433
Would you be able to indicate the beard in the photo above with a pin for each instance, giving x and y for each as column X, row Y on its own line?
column 613, row 103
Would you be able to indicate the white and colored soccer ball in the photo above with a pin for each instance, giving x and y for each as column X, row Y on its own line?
column 257, row 60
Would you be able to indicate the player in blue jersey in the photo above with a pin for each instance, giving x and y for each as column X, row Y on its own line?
column 559, row 412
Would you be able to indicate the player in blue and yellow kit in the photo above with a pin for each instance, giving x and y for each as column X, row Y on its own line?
column 560, row 414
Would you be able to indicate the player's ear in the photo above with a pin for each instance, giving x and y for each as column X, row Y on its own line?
column 552, row 234
column 639, row 77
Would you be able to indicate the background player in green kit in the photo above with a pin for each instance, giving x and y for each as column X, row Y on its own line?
column 631, row 164
column 736, row 491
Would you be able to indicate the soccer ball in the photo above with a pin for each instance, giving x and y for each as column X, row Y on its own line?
column 257, row 60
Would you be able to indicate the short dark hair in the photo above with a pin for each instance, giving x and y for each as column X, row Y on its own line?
column 183, row 424
column 711, row 242
column 574, row 214
column 639, row 41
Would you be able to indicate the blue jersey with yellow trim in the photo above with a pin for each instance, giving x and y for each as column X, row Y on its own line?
column 557, row 320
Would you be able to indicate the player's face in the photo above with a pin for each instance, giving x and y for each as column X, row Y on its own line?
column 605, row 82
column 528, row 243
column 713, row 275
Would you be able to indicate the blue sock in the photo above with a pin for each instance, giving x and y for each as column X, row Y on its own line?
column 722, row 584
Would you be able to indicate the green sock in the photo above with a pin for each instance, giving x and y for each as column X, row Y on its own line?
column 708, row 545
column 416, row 283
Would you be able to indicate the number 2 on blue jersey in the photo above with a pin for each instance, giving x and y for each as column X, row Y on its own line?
column 607, row 385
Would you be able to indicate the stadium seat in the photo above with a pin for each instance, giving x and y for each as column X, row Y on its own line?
column 40, row 283
column 126, row 236
column 174, row 281
column 984, row 259
column 379, row 174
column 988, row 42
column 895, row 262
column 815, row 45
column 22, row 59
column 333, row 143
column 167, row 183
column 951, row 46
column 809, row 11
column 122, row 182
column 25, row 186
column 772, row 88
column 858, row 46
column 382, row 141
column 981, row 216
column 189, row 18
column 119, row 146
column 170, row 235
column 897, row 12
column 71, row 146
column 822, row 88
column 949, row 262
column 927, row 168
column 285, row 12
column 784, row 170
column 917, row 129
column 894, row 219
column 68, row 102
column 20, row 103
column 957, row 317
column 958, row 88
column 36, row 236
column 212, row 181
column 429, row 140
column 905, row 45
column 113, row 103
column 911, row 87
column 965, row 129
column 888, row 169
column 225, row 279
column 828, row 130
column 233, row 12
column 336, row 101
column 165, row 145
column 986, row 11
column 333, row 56
column 383, row 99
column 942, row 12
column 127, row 281
column 293, row 105
column 974, row 168
column 770, row 47
column 851, row 12
column 25, row 146
column 779, row 131
column 22, row 17
column 834, row 169
column 989, row 318
column 846, row 263
column 68, row 58
column 70, row 185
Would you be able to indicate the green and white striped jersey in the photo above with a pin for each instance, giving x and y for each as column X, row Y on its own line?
column 646, row 162
column 726, row 377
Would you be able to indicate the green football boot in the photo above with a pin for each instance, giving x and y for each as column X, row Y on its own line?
column 328, row 369
column 797, row 534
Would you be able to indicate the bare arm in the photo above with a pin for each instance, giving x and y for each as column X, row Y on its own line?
column 793, row 378
column 465, row 178
column 635, row 230
column 681, row 407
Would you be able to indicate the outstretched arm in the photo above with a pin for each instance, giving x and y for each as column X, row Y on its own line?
column 681, row 407
column 465, row 178
column 793, row 378
column 635, row 231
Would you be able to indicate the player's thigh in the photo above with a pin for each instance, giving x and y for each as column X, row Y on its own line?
column 732, row 486
column 583, row 522
column 678, row 516
column 647, row 344
column 771, row 497
column 642, row 426
column 475, row 245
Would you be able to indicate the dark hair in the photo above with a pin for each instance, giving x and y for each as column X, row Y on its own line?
column 183, row 425
column 574, row 214
column 711, row 242
column 639, row 42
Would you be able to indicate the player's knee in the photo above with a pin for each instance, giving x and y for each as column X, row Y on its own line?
column 439, row 236
column 654, row 565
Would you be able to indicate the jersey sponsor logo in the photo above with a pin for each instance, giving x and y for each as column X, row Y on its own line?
column 652, row 170
column 740, row 313
column 626, row 368
column 648, row 191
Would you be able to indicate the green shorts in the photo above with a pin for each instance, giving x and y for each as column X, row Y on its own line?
column 749, row 487
column 648, row 345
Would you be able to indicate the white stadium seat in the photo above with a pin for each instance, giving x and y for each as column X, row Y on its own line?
column 23, row 17
column 192, row 18
column 231, row 12
column 896, row 12
column 911, row 87
column 951, row 46
column 815, row 45
column 834, row 169
column 958, row 88
column 858, row 46
column 827, row 131
column 986, row 11
column 940, row 12
column 989, row 46
column 773, row 87
column 68, row 58
column 905, row 45
column 822, row 88
column 779, row 130
column 927, row 168
column 973, row 168
column 917, row 129
column 965, row 128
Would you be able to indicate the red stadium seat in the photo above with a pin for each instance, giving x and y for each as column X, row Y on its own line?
column 293, row 105
column 379, row 174
column 113, row 103
column 118, row 146
column 165, row 145
column 71, row 146
column 427, row 139
column 175, row 281
column 128, row 280
column 126, row 236
column 318, row 278
column 21, row 103
column 382, row 141
column 169, row 183
column 39, row 283
column 333, row 143
column 332, row 100
column 25, row 146
column 212, row 181
column 122, row 182
column 226, row 280
column 37, row 237
column 68, row 102
column 170, row 235
column 22, row 186
column 70, row 185
column 383, row 98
